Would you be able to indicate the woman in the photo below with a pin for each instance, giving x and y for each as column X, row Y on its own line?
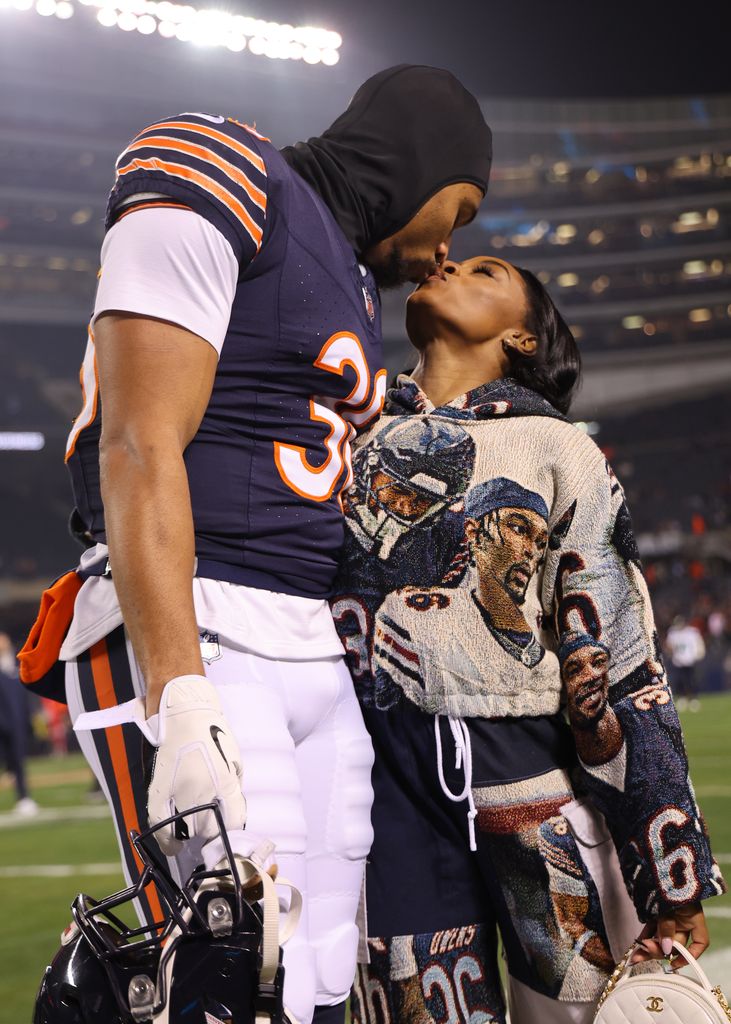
column 490, row 580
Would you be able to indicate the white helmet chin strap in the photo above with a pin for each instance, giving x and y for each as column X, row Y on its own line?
column 258, row 887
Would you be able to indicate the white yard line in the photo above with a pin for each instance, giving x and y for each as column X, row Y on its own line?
column 712, row 911
column 717, row 965
column 59, row 870
column 10, row 819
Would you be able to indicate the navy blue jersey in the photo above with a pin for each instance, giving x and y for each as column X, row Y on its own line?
column 300, row 370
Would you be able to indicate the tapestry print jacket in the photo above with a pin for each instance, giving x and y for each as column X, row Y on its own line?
column 490, row 570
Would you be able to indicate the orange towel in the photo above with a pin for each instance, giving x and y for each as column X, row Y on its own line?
column 40, row 651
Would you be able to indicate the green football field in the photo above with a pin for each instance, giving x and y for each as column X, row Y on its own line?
column 71, row 847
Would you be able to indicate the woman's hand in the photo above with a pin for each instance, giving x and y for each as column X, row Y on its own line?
column 687, row 925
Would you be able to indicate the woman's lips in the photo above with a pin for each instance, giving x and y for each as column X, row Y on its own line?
column 436, row 275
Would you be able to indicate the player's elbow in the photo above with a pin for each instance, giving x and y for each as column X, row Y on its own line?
column 127, row 458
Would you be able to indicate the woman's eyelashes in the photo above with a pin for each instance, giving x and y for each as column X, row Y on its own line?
column 484, row 268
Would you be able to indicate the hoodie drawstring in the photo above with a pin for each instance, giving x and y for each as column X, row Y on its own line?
column 463, row 759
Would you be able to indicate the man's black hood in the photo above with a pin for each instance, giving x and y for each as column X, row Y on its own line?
column 408, row 131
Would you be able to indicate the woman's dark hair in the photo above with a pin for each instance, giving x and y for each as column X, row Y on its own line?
column 555, row 368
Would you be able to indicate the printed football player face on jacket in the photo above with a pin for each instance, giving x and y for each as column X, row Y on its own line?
column 404, row 486
column 508, row 546
column 506, row 528
column 402, row 501
column 585, row 675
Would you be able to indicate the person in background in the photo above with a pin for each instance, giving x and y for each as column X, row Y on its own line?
column 14, row 726
column 56, row 717
column 685, row 646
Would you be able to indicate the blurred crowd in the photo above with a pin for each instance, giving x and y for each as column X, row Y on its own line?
column 692, row 602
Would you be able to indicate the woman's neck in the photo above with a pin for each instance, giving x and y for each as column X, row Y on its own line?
column 444, row 371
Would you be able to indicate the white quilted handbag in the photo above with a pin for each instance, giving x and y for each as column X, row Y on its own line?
column 661, row 998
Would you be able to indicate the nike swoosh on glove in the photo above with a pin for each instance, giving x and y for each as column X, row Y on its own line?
column 197, row 761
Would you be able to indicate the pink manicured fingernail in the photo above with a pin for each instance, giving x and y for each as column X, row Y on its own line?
column 666, row 946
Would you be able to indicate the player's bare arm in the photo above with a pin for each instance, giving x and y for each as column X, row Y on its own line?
column 155, row 379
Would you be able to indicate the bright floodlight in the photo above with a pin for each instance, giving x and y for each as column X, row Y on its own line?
column 21, row 441
column 202, row 27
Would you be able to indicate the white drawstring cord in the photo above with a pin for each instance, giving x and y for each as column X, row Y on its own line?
column 463, row 759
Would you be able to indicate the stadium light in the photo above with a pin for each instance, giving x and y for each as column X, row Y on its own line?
column 201, row 27
column 700, row 316
column 21, row 441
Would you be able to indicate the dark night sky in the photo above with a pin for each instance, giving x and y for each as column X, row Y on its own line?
column 529, row 48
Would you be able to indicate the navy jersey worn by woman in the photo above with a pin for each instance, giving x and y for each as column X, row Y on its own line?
column 300, row 364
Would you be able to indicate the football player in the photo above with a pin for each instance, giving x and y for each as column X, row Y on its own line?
column 505, row 526
column 410, row 486
column 234, row 350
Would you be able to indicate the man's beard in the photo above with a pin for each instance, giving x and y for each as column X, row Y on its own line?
column 392, row 272
column 516, row 590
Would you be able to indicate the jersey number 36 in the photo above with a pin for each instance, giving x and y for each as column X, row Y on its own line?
column 342, row 417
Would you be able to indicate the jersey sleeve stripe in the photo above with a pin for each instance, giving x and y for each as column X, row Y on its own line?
column 206, row 155
column 225, row 140
column 204, row 182
column 154, row 205
column 89, row 380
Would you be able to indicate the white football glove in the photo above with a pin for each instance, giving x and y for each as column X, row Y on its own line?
column 197, row 761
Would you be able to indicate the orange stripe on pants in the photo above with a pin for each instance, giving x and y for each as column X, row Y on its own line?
column 104, row 685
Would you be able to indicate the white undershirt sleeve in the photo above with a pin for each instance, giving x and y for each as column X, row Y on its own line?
column 172, row 265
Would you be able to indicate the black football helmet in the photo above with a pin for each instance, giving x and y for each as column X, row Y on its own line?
column 202, row 964
column 431, row 458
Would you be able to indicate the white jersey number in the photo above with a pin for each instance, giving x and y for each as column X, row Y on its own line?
column 341, row 416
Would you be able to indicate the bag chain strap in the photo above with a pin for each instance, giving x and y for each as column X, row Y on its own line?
column 722, row 1000
column 615, row 976
column 620, row 969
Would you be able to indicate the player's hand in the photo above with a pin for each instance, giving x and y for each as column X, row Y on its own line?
column 197, row 761
column 687, row 925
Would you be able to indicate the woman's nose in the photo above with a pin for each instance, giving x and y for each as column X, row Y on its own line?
column 450, row 267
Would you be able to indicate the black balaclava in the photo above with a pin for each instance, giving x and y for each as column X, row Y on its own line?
column 408, row 131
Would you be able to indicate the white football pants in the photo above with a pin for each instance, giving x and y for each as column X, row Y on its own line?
column 307, row 781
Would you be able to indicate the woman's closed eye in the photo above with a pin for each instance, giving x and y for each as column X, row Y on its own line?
column 484, row 268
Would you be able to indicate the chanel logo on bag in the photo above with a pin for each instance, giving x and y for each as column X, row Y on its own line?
column 682, row 998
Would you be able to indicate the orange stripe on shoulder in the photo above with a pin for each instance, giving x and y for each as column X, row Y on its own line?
column 202, row 181
column 207, row 156
column 211, row 133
